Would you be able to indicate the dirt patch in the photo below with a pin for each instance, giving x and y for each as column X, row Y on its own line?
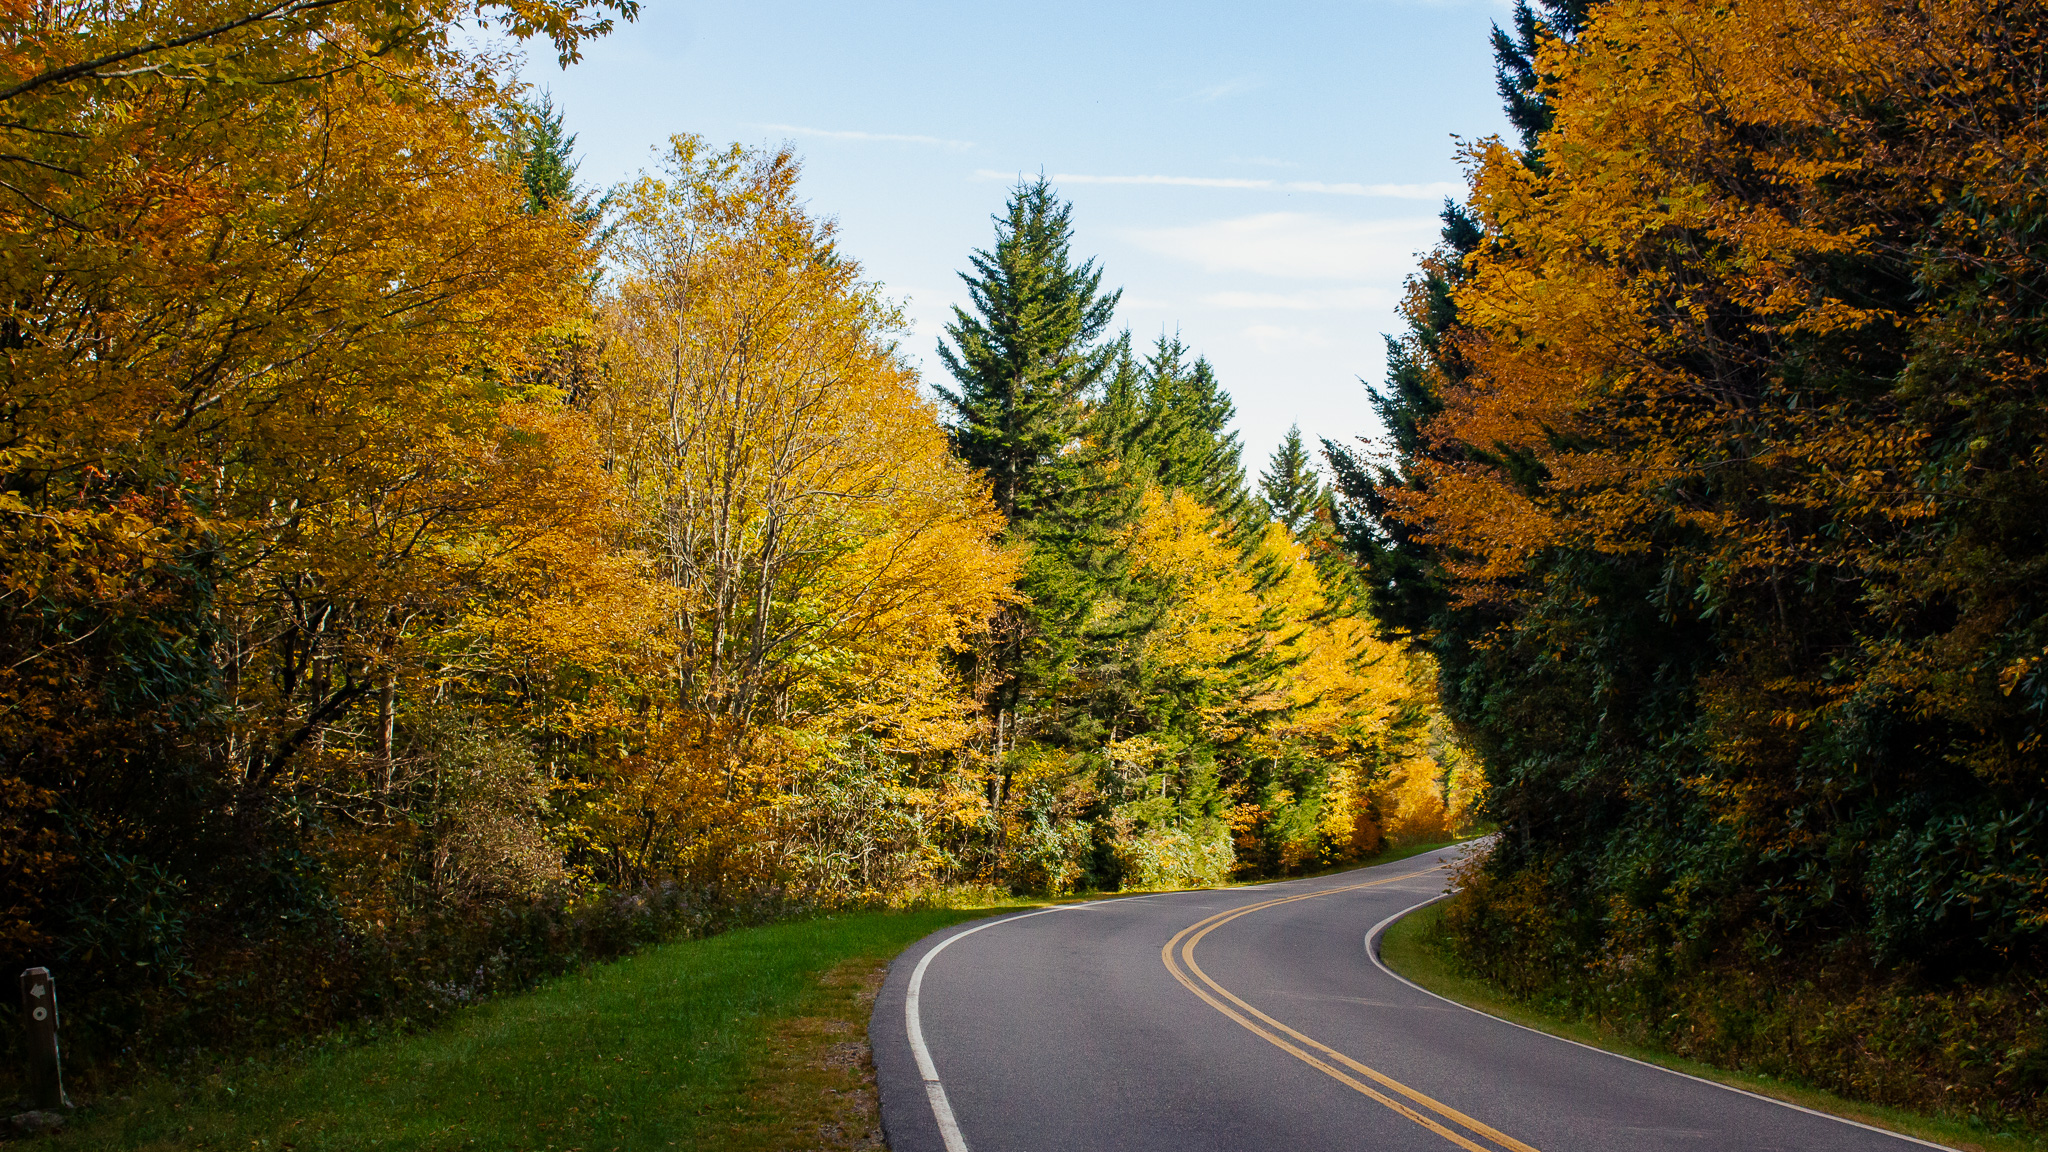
column 815, row 1088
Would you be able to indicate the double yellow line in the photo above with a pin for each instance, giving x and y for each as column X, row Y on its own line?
column 1179, row 957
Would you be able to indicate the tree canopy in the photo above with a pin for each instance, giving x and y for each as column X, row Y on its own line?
column 1716, row 479
column 1029, row 350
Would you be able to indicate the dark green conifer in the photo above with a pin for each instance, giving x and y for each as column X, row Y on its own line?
column 1185, row 443
column 1399, row 573
column 1290, row 487
column 545, row 153
column 1028, row 353
column 1514, row 65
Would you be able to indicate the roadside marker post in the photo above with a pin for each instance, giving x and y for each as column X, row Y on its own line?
column 39, row 1015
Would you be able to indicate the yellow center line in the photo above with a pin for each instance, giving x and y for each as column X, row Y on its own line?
column 1307, row 1049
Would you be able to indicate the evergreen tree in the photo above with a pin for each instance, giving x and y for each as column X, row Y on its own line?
column 1026, row 359
column 1514, row 65
column 1122, row 420
column 1289, row 487
column 1185, row 442
column 543, row 150
column 536, row 144
column 1027, row 355
column 1399, row 573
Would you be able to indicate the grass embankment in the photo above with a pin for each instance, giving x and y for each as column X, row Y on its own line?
column 754, row 1039
column 1413, row 947
column 751, row 1040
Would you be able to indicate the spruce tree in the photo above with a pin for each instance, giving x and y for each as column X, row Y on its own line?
column 1398, row 571
column 538, row 147
column 544, row 152
column 1186, row 442
column 1290, row 487
column 1028, row 353
column 1121, row 420
column 1514, row 65
column 1027, row 356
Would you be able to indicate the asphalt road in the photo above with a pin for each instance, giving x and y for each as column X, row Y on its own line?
column 1254, row 1020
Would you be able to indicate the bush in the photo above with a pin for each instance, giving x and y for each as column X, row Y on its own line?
column 308, row 982
column 1826, row 1014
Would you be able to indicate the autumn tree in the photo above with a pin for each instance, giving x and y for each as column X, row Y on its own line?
column 1516, row 59
column 823, row 550
column 266, row 291
column 1183, row 695
column 1719, row 500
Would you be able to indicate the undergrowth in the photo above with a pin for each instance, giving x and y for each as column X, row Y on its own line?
column 1829, row 1014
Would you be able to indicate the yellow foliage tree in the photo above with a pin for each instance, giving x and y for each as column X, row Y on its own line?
column 265, row 290
column 1283, row 683
column 792, row 489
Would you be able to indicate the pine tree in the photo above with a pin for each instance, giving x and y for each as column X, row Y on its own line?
column 1121, row 420
column 1026, row 358
column 1027, row 355
column 545, row 153
column 1185, row 442
column 1514, row 65
column 1290, row 487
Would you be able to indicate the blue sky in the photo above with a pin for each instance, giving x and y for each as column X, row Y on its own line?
column 1257, row 177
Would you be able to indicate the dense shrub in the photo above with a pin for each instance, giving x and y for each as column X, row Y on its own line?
column 1898, row 1035
column 308, row 981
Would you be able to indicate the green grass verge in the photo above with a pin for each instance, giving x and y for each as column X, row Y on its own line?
column 1412, row 947
column 660, row 1050
column 740, row 1041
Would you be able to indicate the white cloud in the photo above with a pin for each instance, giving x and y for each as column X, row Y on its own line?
column 1432, row 191
column 1297, row 245
column 1178, row 181
column 869, row 137
column 1235, row 86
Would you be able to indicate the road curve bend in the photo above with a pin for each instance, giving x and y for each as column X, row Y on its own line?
column 1256, row 1020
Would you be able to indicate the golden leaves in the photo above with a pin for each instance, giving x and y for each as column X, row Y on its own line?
column 821, row 549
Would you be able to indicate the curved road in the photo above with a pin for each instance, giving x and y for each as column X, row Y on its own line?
column 1255, row 1020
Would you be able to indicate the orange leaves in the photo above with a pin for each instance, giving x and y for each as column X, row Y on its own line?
column 1758, row 341
column 263, row 451
column 1630, row 306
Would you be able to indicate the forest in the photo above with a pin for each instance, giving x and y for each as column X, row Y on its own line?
column 1713, row 483
column 424, row 573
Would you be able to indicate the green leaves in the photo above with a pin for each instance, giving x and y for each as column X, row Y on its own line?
column 1289, row 486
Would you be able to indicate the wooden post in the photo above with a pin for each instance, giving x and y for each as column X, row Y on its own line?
column 39, row 1015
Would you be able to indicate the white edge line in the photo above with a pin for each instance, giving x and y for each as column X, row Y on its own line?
column 1372, row 952
column 942, row 1109
column 934, row 1089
